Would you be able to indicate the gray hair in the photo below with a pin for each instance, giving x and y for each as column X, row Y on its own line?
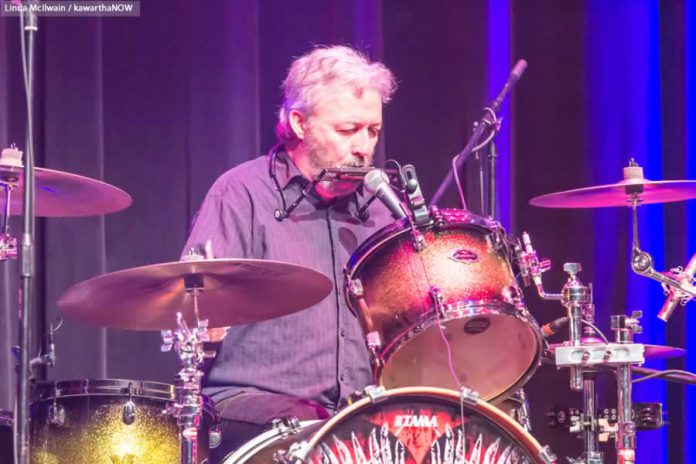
column 323, row 67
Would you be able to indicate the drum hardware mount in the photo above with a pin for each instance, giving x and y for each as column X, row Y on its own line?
column 188, row 344
column 642, row 263
column 578, row 355
column 647, row 416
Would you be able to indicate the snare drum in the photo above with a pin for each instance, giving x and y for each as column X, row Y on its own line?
column 440, row 306
column 402, row 426
column 108, row 421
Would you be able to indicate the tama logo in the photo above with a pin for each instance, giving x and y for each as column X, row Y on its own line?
column 415, row 421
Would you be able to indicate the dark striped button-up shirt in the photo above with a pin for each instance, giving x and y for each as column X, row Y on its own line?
column 317, row 353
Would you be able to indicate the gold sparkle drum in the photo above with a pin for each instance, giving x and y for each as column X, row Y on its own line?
column 402, row 426
column 440, row 303
column 108, row 422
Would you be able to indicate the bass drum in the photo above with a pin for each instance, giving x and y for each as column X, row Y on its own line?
column 402, row 426
column 441, row 306
column 108, row 422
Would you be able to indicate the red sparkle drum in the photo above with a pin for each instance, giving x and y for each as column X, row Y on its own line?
column 108, row 421
column 441, row 307
column 402, row 426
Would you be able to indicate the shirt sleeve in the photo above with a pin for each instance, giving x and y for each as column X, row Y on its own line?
column 225, row 218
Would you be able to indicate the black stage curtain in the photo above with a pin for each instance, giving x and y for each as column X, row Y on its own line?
column 162, row 104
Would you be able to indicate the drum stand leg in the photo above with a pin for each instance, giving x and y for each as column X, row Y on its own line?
column 624, row 327
column 188, row 344
column 592, row 453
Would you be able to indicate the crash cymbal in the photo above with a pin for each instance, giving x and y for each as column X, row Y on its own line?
column 651, row 351
column 235, row 291
column 634, row 184
column 600, row 196
column 61, row 194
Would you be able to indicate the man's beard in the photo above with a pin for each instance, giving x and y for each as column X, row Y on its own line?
column 320, row 160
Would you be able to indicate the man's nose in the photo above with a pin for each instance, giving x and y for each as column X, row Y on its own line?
column 362, row 145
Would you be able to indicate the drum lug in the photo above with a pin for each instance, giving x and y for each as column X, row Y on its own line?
column 513, row 296
column 547, row 455
column 286, row 425
column 374, row 342
column 376, row 393
column 298, row 452
column 355, row 288
column 438, row 300
column 214, row 437
column 128, row 414
column 468, row 395
column 56, row 414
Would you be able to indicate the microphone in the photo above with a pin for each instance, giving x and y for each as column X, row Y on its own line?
column 514, row 76
column 675, row 295
column 553, row 327
column 377, row 184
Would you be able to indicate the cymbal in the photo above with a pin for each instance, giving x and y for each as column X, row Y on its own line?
column 236, row 291
column 618, row 194
column 651, row 351
column 61, row 194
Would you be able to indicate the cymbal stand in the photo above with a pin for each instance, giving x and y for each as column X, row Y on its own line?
column 624, row 327
column 642, row 262
column 188, row 343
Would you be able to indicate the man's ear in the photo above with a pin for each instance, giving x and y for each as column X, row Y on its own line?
column 298, row 123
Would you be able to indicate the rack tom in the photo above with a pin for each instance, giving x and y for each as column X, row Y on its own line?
column 440, row 306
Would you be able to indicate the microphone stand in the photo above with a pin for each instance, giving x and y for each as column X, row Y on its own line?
column 489, row 120
column 27, row 257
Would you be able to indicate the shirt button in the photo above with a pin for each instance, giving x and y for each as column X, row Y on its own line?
column 343, row 333
column 342, row 377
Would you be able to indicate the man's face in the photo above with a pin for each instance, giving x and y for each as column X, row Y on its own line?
column 341, row 131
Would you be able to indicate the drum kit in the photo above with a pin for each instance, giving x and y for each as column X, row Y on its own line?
column 438, row 295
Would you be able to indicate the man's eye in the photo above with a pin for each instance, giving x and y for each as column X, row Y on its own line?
column 348, row 131
column 375, row 132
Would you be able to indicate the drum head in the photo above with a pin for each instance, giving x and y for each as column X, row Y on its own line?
column 422, row 425
column 494, row 351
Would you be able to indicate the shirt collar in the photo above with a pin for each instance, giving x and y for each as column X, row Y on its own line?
column 292, row 182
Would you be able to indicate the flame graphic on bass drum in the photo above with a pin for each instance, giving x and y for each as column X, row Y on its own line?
column 383, row 449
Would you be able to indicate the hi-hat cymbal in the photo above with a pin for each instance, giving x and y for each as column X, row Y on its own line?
column 61, row 194
column 235, row 291
column 619, row 194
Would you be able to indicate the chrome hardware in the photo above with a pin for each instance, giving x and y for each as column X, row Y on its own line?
column 438, row 300
column 547, row 455
column 286, row 426
column 468, row 396
column 128, row 413
column 56, row 414
column 375, row 393
column 355, row 288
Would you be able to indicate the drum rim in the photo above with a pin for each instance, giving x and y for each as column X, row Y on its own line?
column 255, row 444
column 401, row 226
column 49, row 390
column 515, row 430
column 488, row 307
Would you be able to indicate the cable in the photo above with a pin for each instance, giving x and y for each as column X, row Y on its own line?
column 688, row 374
column 596, row 329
